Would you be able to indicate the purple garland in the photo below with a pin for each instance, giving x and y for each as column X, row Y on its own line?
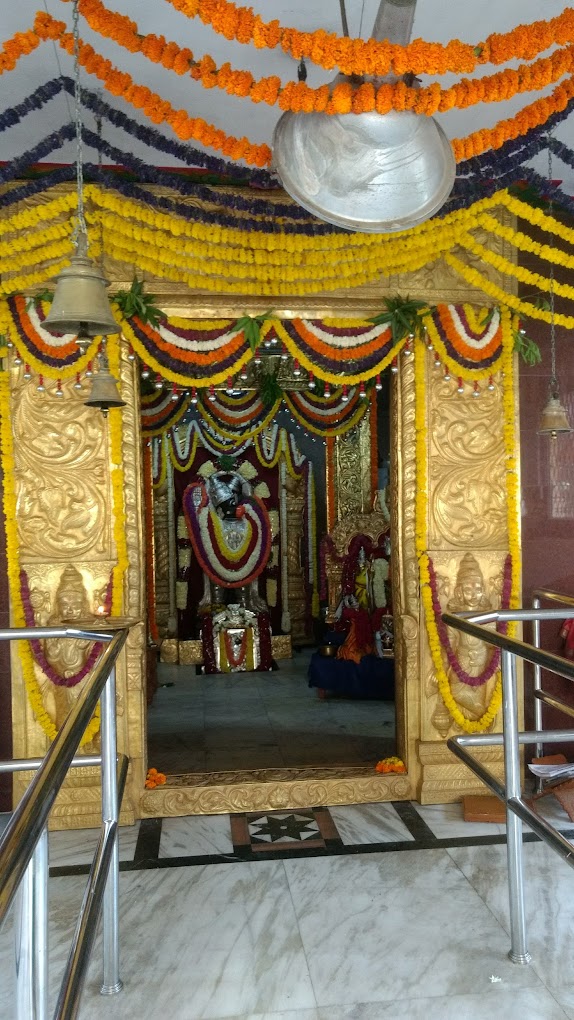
column 155, row 140
column 491, row 668
column 477, row 177
column 35, row 101
column 38, row 651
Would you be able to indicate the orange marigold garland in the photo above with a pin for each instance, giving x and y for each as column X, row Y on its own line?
column 359, row 56
column 153, row 779
column 391, row 764
column 159, row 110
column 343, row 98
column 119, row 83
column 530, row 116
column 18, row 46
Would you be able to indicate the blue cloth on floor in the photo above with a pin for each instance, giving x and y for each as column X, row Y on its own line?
column 370, row 678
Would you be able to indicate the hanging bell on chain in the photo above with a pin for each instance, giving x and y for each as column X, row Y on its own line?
column 80, row 302
column 104, row 392
column 554, row 418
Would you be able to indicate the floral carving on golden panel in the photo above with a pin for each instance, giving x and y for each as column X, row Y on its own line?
column 61, row 475
column 467, row 488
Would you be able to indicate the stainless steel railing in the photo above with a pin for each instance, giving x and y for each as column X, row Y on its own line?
column 511, row 739
column 567, row 602
column 24, row 844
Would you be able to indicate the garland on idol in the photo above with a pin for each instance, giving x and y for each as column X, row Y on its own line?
column 237, row 567
column 38, row 649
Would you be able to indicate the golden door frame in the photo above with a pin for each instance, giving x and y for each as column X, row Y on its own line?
column 267, row 789
column 432, row 773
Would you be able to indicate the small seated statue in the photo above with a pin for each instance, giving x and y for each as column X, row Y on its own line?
column 67, row 656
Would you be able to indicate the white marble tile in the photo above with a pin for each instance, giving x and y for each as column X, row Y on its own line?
column 553, row 812
column 381, row 927
column 298, row 1014
column 201, row 943
column 77, row 846
column 549, row 899
column 195, row 836
column 369, row 823
column 446, row 821
column 512, row 1004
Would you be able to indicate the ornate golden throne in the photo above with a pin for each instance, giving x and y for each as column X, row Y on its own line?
column 373, row 525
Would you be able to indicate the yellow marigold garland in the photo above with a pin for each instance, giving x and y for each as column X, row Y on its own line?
column 523, row 242
column 505, row 267
column 332, row 377
column 421, row 519
column 246, row 433
column 177, row 377
column 22, row 284
column 9, row 329
column 501, row 297
column 454, row 367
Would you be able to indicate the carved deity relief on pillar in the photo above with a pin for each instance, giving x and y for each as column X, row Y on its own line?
column 467, row 542
column 62, row 474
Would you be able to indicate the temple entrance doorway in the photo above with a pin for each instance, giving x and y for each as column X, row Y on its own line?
column 272, row 587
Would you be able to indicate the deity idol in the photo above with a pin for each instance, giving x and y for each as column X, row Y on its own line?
column 473, row 654
column 67, row 655
column 230, row 533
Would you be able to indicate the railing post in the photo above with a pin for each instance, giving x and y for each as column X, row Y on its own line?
column 112, row 984
column 518, row 948
column 537, row 685
column 31, row 936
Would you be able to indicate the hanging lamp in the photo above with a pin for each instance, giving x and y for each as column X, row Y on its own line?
column 80, row 302
column 368, row 172
column 554, row 419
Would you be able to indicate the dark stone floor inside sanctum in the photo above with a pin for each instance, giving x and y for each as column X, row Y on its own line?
column 261, row 720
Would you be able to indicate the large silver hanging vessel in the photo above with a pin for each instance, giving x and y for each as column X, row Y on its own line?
column 369, row 172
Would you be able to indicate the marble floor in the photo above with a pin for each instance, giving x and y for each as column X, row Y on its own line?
column 261, row 720
column 366, row 912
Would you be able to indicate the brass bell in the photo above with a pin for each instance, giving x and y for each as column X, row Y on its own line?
column 104, row 393
column 553, row 418
column 80, row 302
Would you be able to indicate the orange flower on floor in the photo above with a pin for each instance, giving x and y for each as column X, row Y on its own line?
column 153, row 779
column 392, row 764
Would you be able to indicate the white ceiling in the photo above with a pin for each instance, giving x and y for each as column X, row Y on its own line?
column 438, row 20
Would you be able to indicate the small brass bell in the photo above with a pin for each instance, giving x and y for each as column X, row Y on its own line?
column 553, row 418
column 104, row 393
column 80, row 302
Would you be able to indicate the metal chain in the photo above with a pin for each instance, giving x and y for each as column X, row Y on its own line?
column 81, row 227
column 552, row 323
column 344, row 21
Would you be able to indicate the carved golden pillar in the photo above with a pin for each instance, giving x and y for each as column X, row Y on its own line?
column 161, row 560
column 353, row 470
column 64, row 515
column 467, row 542
column 295, row 577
